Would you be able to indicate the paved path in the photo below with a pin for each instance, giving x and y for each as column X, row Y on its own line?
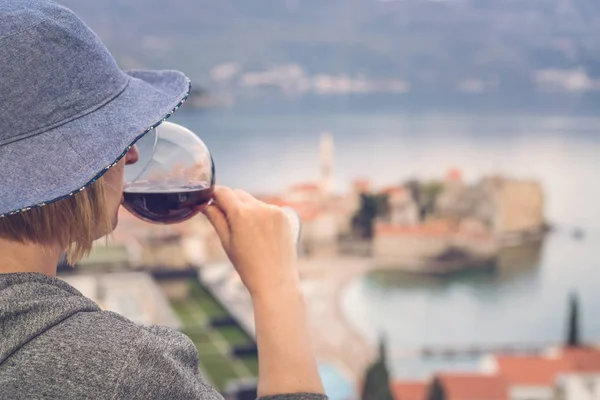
column 332, row 336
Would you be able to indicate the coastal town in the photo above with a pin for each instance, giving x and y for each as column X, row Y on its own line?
column 559, row 373
column 436, row 226
column 183, row 279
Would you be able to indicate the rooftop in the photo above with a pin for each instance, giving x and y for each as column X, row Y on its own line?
column 394, row 190
column 454, row 175
column 531, row 370
column 362, row 184
column 306, row 187
column 409, row 390
column 473, row 387
column 582, row 359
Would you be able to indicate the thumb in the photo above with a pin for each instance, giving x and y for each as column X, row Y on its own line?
column 219, row 222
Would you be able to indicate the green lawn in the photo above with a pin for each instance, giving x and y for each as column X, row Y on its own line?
column 198, row 337
column 180, row 308
column 252, row 364
column 220, row 369
column 214, row 345
column 234, row 335
column 206, row 302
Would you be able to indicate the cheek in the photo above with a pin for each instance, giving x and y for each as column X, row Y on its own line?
column 115, row 175
column 114, row 181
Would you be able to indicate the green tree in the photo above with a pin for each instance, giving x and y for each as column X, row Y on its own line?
column 431, row 192
column 377, row 378
column 573, row 334
column 371, row 206
column 425, row 195
column 436, row 390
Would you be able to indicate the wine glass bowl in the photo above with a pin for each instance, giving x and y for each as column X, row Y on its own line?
column 173, row 178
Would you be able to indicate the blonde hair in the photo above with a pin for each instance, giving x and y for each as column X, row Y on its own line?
column 73, row 223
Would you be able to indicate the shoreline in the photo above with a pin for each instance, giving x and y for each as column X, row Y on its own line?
column 334, row 337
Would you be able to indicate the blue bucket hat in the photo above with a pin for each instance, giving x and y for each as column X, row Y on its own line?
column 68, row 113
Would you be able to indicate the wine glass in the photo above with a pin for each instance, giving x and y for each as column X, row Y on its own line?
column 174, row 177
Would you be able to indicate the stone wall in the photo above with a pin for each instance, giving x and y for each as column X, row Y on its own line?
column 520, row 207
column 504, row 205
column 420, row 247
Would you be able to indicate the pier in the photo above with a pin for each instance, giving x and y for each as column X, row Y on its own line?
column 457, row 351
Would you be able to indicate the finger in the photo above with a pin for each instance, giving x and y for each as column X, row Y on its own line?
column 227, row 200
column 244, row 196
column 218, row 221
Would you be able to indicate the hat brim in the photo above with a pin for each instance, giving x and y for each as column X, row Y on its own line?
column 64, row 160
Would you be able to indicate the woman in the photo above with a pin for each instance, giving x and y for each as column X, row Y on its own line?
column 69, row 119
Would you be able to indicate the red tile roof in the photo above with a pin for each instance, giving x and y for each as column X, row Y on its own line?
column 582, row 359
column 413, row 390
column 306, row 187
column 473, row 387
column 454, row 175
column 531, row 370
column 362, row 185
column 393, row 190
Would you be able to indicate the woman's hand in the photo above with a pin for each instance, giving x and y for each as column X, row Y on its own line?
column 257, row 238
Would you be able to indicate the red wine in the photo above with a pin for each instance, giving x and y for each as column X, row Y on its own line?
column 165, row 206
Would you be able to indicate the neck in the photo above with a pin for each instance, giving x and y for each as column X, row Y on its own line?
column 28, row 257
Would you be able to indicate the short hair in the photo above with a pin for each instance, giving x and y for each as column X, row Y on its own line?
column 73, row 222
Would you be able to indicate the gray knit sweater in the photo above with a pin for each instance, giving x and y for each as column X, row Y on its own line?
column 57, row 344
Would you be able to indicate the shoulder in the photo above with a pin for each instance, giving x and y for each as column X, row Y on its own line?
column 131, row 360
column 163, row 363
column 106, row 328
column 108, row 331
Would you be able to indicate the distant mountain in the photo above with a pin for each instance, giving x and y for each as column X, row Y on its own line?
column 541, row 54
